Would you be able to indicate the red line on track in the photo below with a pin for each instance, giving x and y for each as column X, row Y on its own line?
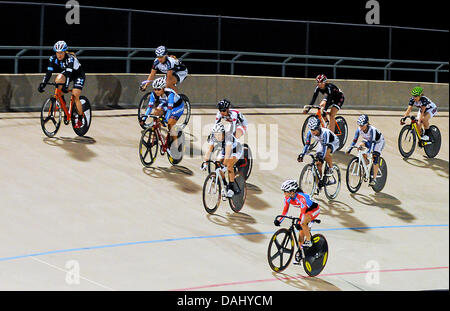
column 304, row 277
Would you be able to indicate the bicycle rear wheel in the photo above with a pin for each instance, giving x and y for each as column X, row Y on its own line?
column 305, row 132
column 406, row 141
column 341, row 131
column 333, row 183
column 281, row 249
column 431, row 150
column 308, row 180
column 237, row 201
column 51, row 116
column 86, row 119
column 211, row 193
column 354, row 175
column 380, row 181
column 245, row 165
column 185, row 117
column 177, row 147
column 316, row 256
column 148, row 147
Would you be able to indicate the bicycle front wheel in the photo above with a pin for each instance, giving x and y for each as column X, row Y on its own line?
column 354, row 175
column 308, row 180
column 51, row 115
column 406, row 141
column 211, row 193
column 281, row 249
column 432, row 149
column 148, row 147
column 333, row 183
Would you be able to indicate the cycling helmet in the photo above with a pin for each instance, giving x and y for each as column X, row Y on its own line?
column 417, row 91
column 159, row 83
column 314, row 124
column 289, row 185
column 218, row 128
column 363, row 119
column 223, row 105
column 161, row 51
column 60, row 46
column 321, row 78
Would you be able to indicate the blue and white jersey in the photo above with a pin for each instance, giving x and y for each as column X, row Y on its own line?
column 170, row 64
column 423, row 102
column 167, row 101
column 325, row 138
column 372, row 137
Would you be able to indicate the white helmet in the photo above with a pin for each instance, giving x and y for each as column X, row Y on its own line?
column 60, row 46
column 161, row 51
column 218, row 128
column 289, row 185
column 159, row 83
column 314, row 124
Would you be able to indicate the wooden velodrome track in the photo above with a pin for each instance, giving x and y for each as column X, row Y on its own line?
column 86, row 207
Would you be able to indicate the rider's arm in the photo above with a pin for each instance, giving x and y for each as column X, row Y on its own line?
column 373, row 140
column 410, row 107
column 313, row 100
column 49, row 71
column 210, row 148
column 355, row 139
column 151, row 102
column 307, row 143
column 285, row 210
column 170, row 102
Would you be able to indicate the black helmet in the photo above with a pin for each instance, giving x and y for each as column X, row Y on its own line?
column 223, row 105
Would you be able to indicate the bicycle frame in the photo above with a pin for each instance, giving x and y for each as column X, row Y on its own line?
column 59, row 97
column 219, row 168
column 417, row 131
column 362, row 161
column 321, row 119
column 157, row 128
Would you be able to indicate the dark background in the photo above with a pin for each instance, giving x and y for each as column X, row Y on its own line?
column 19, row 25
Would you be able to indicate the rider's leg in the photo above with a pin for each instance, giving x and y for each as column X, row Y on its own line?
column 171, row 81
column 76, row 95
column 333, row 113
column 426, row 123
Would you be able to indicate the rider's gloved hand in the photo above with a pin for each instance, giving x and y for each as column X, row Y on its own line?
column 41, row 87
column 300, row 158
column 203, row 166
column 142, row 87
column 402, row 120
column 276, row 222
column 64, row 89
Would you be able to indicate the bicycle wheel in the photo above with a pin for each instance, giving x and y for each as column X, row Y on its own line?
column 148, row 147
column 51, row 116
column 237, row 201
column 406, row 141
column 308, row 180
column 341, row 131
column 281, row 249
column 333, row 183
column 305, row 132
column 177, row 147
column 211, row 193
column 185, row 117
column 431, row 150
column 354, row 175
column 142, row 108
column 245, row 165
column 86, row 119
column 380, row 182
column 316, row 256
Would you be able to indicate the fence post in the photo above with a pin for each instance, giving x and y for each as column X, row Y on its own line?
column 129, row 41
column 16, row 60
column 219, row 41
column 390, row 51
column 307, row 49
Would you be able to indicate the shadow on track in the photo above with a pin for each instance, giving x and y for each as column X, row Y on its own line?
column 176, row 174
column 239, row 222
column 76, row 147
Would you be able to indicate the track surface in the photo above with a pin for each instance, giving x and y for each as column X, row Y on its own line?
column 87, row 204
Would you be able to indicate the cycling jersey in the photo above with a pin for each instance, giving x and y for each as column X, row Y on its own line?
column 333, row 96
column 304, row 202
column 423, row 102
column 235, row 117
column 169, row 101
column 373, row 139
column 230, row 140
column 325, row 139
column 70, row 67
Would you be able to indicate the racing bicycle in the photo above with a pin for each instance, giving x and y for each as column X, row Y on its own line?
column 311, row 183
column 340, row 128
column 358, row 171
column 284, row 242
column 152, row 139
column 214, row 190
column 410, row 134
column 244, row 165
column 55, row 108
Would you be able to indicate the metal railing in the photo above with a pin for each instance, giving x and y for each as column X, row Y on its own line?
column 235, row 58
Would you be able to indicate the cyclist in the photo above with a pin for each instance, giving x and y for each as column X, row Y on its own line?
column 169, row 102
column 69, row 68
column 173, row 68
column 309, row 210
column 427, row 110
column 238, row 122
column 333, row 98
column 328, row 143
column 372, row 139
column 230, row 153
